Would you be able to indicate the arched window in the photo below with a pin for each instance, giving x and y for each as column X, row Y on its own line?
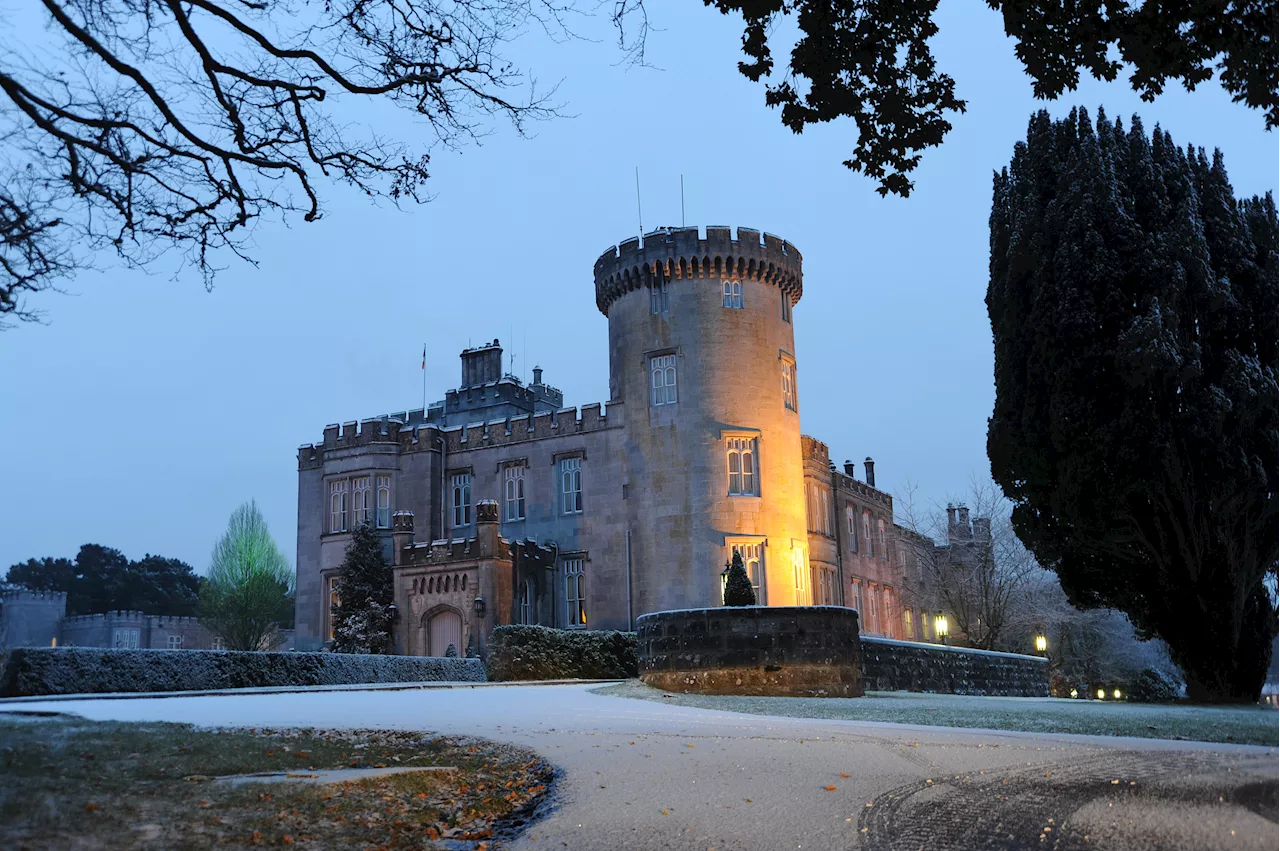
column 514, row 477
column 742, row 466
column 528, row 612
column 384, row 502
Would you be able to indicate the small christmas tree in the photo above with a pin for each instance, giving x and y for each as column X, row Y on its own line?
column 451, row 652
column 737, row 586
column 362, row 621
column 471, row 647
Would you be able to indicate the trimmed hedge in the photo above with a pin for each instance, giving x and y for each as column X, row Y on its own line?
column 29, row 671
column 543, row 653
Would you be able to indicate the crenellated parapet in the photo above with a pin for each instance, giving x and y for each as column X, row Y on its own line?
column 680, row 253
column 23, row 595
column 511, row 430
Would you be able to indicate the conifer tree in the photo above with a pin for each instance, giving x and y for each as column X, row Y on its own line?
column 362, row 621
column 1133, row 307
column 248, row 591
column 737, row 586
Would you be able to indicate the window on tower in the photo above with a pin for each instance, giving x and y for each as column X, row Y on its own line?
column 338, row 506
column 786, row 306
column 662, row 380
column 789, row 384
column 733, row 294
column 742, row 466
column 658, row 297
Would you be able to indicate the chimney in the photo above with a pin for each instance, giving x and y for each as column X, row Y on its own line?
column 848, row 469
column 965, row 529
column 871, row 471
column 537, row 375
column 487, row 535
column 951, row 517
column 401, row 535
column 481, row 365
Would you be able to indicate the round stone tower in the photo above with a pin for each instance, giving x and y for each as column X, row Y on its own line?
column 702, row 357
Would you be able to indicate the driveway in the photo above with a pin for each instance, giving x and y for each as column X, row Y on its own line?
column 641, row 775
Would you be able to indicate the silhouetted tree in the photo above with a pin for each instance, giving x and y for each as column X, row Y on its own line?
column 247, row 594
column 737, row 585
column 101, row 579
column 363, row 621
column 1133, row 306
column 870, row 60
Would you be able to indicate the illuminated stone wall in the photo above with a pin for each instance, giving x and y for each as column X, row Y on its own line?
column 905, row 666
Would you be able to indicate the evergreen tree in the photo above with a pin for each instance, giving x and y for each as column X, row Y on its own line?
column 1133, row 306
column 362, row 623
column 737, row 586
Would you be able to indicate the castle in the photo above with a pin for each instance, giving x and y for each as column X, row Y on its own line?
column 530, row 512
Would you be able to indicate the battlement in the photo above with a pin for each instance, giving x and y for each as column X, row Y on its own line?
column 108, row 617
column 23, row 595
column 681, row 253
column 510, row 430
column 442, row 552
column 812, row 449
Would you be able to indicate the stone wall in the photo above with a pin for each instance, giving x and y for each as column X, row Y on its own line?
column 810, row 651
column 889, row 665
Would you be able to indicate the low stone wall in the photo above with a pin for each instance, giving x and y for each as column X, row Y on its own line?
column 543, row 653
column 810, row 651
column 889, row 665
column 82, row 670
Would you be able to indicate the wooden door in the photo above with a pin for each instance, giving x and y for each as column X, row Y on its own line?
column 445, row 628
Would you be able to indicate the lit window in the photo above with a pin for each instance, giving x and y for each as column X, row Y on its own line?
column 360, row 500
column 575, row 592
column 658, row 301
column 571, row 486
column 908, row 625
column 801, row 576
column 338, row 506
column 786, row 306
column 125, row 638
column 335, row 600
column 742, row 466
column 789, row 385
column 514, row 488
column 662, row 380
column 753, row 560
column 871, row 623
column 733, row 294
column 173, row 642
column 384, row 502
column 462, row 499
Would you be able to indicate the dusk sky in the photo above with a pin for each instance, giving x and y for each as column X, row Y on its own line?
column 147, row 409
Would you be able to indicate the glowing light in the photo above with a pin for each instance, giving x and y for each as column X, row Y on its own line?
column 1116, row 694
column 1075, row 693
column 1042, row 644
column 1102, row 694
column 940, row 626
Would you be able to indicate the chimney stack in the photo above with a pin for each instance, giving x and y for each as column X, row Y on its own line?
column 871, row 471
column 951, row 517
column 537, row 375
column 401, row 535
column 487, row 532
column 965, row 529
column 848, row 469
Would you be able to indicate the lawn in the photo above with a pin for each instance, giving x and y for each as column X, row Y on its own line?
column 125, row 785
column 1255, row 725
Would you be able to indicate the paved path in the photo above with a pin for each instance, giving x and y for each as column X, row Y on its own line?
column 638, row 775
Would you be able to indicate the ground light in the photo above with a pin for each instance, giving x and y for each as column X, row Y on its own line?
column 1074, row 693
column 1102, row 694
column 1116, row 694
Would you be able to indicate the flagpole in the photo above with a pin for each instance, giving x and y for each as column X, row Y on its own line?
column 424, row 382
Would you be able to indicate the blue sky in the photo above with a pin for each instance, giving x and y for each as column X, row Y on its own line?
column 148, row 409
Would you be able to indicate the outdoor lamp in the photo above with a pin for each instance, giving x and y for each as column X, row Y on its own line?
column 1116, row 694
column 395, row 612
column 1102, row 694
column 1042, row 644
column 479, row 606
column 940, row 627
column 1074, row 693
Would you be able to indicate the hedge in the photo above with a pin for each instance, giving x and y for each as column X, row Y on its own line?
column 543, row 653
column 28, row 671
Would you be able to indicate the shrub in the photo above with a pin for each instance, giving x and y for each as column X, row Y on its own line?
column 1153, row 687
column 737, row 586
column 543, row 653
column 88, row 670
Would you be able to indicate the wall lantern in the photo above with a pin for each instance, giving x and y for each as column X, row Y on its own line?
column 1042, row 644
column 1102, row 694
column 395, row 612
column 940, row 627
column 479, row 607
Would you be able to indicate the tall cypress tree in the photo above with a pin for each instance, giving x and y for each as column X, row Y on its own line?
column 1133, row 306
column 362, row 622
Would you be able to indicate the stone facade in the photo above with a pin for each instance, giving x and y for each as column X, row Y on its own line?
column 613, row 510
column 39, row 619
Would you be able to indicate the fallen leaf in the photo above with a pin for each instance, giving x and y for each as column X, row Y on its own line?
column 88, row 808
column 845, row 776
column 829, row 788
column 664, row 812
column 287, row 839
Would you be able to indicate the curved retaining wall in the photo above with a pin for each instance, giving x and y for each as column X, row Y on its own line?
column 809, row 651
column 889, row 665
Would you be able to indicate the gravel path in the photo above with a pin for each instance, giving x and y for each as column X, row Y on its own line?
column 639, row 775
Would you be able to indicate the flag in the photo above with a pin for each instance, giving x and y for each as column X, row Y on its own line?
column 424, row 357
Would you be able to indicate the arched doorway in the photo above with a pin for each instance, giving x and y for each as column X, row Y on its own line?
column 443, row 627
